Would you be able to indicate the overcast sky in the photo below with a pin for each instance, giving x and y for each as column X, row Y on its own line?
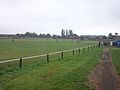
column 94, row 17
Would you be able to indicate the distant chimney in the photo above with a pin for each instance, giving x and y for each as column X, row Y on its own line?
column 116, row 34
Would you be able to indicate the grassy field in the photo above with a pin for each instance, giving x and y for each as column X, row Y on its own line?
column 69, row 73
column 28, row 47
column 115, row 53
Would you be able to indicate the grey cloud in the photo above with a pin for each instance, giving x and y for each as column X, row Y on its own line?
column 43, row 16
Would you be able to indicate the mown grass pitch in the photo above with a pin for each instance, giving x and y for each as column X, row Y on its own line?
column 69, row 73
column 28, row 47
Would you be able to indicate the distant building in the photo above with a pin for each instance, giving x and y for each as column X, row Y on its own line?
column 114, row 37
column 113, row 40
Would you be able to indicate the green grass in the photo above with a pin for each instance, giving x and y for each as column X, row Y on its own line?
column 115, row 53
column 69, row 73
column 28, row 47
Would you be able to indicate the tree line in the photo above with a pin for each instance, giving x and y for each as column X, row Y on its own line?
column 68, row 34
column 65, row 34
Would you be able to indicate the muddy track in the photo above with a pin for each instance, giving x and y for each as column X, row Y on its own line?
column 104, row 75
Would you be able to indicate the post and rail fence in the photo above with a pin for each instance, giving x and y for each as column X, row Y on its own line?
column 48, row 54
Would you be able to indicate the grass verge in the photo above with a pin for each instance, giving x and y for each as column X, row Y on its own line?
column 115, row 53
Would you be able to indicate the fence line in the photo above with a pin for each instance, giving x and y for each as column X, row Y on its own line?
column 30, row 57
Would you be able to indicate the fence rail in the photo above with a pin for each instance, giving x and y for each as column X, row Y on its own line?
column 47, row 55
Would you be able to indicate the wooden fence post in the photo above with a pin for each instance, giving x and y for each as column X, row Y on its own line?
column 20, row 65
column 84, row 49
column 88, row 48
column 79, row 50
column 47, row 57
column 73, row 52
column 62, row 54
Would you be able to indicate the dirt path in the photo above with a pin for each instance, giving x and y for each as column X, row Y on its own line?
column 104, row 76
